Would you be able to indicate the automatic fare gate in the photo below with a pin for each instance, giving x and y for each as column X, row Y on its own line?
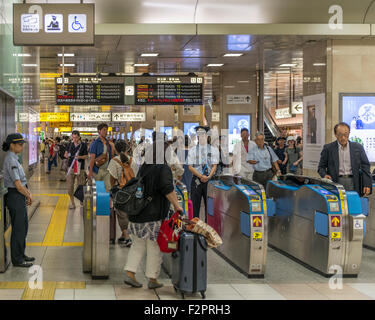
column 5, row 231
column 96, row 211
column 318, row 223
column 237, row 210
column 369, row 241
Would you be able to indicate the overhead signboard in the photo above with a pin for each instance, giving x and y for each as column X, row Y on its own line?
column 23, row 117
column 60, row 124
column 128, row 116
column 54, row 116
column 53, row 24
column 297, row 107
column 90, row 117
column 90, row 91
column 171, row 90
column 89, row 129
column 282, row 113
column 238, row 99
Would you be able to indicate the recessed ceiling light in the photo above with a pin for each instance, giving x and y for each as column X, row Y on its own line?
column 141, row 64
column 319, row 64
column 233, row 55
column 215, row 64
column 21, row 55
column 66, row 54
column 288, row 65
column 228, row 87
column 67, row 65
column 149, row 54
column 29, row 65
column 243, row 81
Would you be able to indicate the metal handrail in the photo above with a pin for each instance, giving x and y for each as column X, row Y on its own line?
column 271, row 123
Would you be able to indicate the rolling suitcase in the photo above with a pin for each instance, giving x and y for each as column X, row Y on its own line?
column 112, row 226
column 189, row 265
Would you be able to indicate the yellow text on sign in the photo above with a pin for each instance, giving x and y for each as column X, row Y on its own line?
column 54, row 116
column 257, row 235
column 336, row 235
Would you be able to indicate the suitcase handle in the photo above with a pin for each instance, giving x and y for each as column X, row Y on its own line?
column 204, row 247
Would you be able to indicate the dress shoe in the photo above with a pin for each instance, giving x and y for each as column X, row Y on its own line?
column 29, row 259
column 23, row 265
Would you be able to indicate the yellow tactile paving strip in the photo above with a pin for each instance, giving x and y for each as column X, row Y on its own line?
column 48, row 291
column 56, row 229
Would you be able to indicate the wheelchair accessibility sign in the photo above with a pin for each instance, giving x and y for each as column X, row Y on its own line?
column 77, row 23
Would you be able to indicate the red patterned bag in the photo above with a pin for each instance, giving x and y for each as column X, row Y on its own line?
column 169, row 234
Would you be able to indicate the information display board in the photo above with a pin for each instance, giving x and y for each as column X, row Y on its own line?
column 189, row 128
column 168, row 90
column 358, row 111
column 236, row 122
column 90, row 91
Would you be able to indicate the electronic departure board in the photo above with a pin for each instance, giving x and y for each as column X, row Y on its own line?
column 90, row 91
column 168, row 91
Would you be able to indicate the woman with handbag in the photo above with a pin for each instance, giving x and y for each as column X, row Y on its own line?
column 122, row 169
column 144, row 227
column 76, row 154
column 293, row 157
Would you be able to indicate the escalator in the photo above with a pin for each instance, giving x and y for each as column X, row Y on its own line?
column 271, row 130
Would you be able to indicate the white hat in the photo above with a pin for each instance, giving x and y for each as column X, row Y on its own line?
column 290, row 138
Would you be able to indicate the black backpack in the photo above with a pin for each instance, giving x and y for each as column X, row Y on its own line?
column 62, row 149
column 125, row 199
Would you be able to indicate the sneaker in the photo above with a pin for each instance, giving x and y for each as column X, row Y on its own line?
column 132, row 282
column 121, row 240
column 154, row 285
column 128, row 242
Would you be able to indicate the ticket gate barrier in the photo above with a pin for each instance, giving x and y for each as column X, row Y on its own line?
column 182, row 196
column 237, row 209
column 369, row 241
column 5, row 231
column 317, row 223
column 96, row 212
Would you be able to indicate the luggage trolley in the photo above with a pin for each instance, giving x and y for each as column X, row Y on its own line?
column 237, row 209
column 5, row 230
column 95, row 212
column 369, row 241
column 317, row 223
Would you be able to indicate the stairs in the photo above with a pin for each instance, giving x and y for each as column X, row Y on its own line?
column 268, row 136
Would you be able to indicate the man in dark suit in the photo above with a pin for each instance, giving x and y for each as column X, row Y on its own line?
column 341, row 161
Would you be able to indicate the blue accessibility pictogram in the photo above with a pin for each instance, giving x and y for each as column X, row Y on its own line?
column 76, row 25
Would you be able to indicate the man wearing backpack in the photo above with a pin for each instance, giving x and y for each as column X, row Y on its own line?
column 101, row 153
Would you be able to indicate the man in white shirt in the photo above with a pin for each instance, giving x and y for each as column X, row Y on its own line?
column 240, row 166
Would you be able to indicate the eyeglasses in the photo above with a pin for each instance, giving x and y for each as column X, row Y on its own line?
column 340, row 135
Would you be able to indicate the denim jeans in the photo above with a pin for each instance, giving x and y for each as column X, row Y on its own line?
column 52, row 161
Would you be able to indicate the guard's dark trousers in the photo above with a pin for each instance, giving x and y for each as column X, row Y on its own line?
column 198, row 190
column 16, row 203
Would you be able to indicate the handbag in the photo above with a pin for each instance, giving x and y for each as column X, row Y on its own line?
column 169, row 233
column 293, row 168
column 103, row 158
column 198, row 226
column 79, row 194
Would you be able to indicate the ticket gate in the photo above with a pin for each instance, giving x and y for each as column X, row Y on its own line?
column 317, row 223
column 96, row 212
column 182, row 196
column 369, row 241
column 5, row 231
column 237, row 209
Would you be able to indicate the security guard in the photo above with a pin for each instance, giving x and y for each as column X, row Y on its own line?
column 202, row 160
column 17, row 198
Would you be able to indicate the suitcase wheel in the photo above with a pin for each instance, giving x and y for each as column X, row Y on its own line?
column 203, row 294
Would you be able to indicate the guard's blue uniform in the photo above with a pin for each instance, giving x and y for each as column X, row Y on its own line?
column 16, row 203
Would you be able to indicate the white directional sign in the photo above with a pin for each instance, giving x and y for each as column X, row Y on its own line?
column 282, row 113
column 128, row 116
column 192, row 110
column 23, row 117
column 215, row 116
column 297, row 107
column 90, row 117
column 29, row 23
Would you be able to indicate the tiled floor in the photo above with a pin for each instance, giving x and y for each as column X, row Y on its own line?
column 64, row 279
